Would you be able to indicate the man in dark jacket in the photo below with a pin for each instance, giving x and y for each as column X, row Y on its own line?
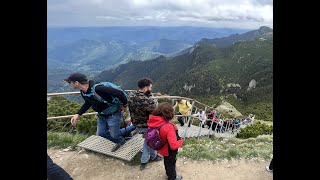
column 140, row 107
column 108, row 123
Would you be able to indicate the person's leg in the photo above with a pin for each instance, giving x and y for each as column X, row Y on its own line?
column 102, row 129
column 145, row 149
column 113, row 124
column 170, row 164
column 154, row 155
column 180, row 120
column 208, row 123
column 126, row 131
column 55, row 172
column 204, row 123
column 188, row 119
column 145, row 157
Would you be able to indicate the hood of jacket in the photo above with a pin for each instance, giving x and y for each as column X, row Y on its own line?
column 156, row 121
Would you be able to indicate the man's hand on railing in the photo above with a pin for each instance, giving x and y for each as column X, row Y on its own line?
column 74, row 119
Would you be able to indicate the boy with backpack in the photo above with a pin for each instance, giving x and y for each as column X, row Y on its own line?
column 105, row 98
column 170, row 139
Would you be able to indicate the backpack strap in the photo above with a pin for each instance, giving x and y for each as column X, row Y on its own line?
column 83, row 94
column 165, row 124
column 113, row 107
column 97, row 96
column 162, row 125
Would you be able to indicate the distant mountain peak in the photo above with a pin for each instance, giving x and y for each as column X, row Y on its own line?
column 262, row 32
column 265, row 28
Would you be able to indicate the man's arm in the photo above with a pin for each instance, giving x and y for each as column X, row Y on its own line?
column 84, row 108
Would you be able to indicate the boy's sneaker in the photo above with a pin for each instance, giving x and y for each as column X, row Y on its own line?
column 267, row 168
column 143, row 166
column 117, row 146
column 178, row 177
column 157, row 158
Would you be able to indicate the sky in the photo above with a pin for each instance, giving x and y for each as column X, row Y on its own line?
column 244, row 14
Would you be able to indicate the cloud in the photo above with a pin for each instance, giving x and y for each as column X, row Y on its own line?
column 211, row 13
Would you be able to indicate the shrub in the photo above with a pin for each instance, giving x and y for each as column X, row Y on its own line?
column 255, row 130
column 60, row 106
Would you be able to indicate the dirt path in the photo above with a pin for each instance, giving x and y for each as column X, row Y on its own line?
column 87, row 165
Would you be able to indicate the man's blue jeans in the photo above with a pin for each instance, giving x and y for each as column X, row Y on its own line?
column 109, row 127
column 147, row 152
column 127, row 130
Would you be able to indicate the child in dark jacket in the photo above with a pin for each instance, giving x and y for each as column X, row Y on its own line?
column 168, row 133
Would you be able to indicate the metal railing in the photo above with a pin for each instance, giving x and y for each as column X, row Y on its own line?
column 94, row 113
column 187, row 118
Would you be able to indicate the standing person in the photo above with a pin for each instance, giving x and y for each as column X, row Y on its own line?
column 55, row 172
column 184, row 108
column 140, row 107
column 109, row 113
column 169, row 134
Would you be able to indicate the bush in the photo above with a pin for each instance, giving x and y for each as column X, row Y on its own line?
column 255, row 130
column 87, row 125
column 60, row 106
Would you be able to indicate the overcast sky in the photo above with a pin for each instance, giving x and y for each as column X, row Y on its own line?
column 247, row 14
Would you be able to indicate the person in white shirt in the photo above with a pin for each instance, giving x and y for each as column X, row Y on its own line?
column 202, row 117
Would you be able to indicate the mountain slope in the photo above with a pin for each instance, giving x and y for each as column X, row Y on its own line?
column 242, row 70
column 204, row 70
column 263, row 32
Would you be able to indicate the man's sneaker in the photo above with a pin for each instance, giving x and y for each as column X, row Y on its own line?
column 127, row 138
column 143, row 166
column 178, row 177
column 267, row 168
column 157, row 158
column 134, row 132
column 117, row 146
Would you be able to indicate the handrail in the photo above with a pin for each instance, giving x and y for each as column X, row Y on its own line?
column 94, row 113
column 156, row 96
column 73, row 92
column 64, row 93
column 86, row 114
column 69, row 116
column 179, row 97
